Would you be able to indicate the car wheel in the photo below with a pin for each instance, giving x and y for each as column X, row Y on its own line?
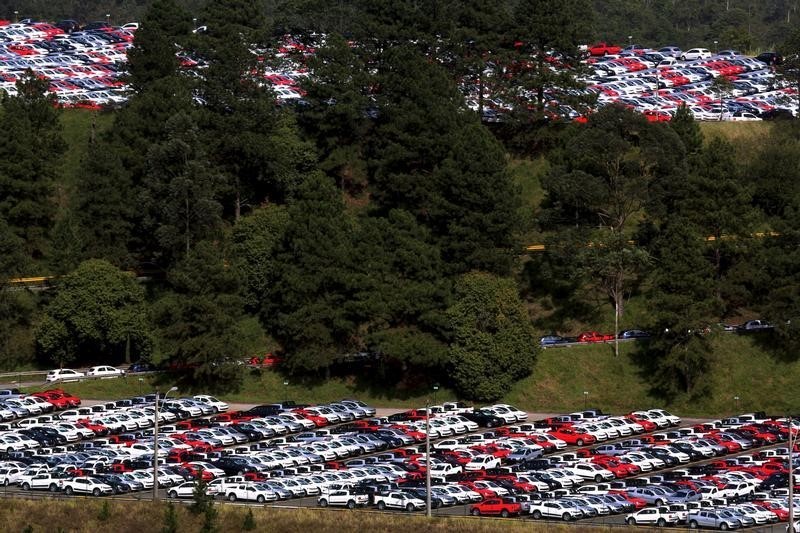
column 260, row 499
column 661, row 522
column 631, row 521
column 566, row 517
column 476, row 512
column 693, row 524
column 172, row 494
column 26, row 486
column 537, row 514
column 504, row 513
column 723, row 527
column 5, row 482
column 323, row 502
column 579, row 442
column 351, row 504
column 659, row 502
column 53, row 487
column 409, row 507
column 381, row 505
column 96, row 493
column 68, row 491
column 231, row 497
column 598, row 478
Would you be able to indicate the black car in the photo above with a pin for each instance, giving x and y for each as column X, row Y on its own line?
column 265, row 410
column 233, row 466
column 770, row 58
column 634, row 334
column 117, row 483
column 484, row 419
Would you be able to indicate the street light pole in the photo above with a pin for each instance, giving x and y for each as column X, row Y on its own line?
column 155, row 445
column 428, row 458
column 585, row 398
column 791, row 476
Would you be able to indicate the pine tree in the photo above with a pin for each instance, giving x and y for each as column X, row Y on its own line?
column 181, row 190
column 29, row 158
column 683, row 303
column 200, row 321
column 170, row 519
column 432, row 158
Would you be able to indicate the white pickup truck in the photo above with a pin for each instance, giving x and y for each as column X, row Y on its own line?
column 399, row 500
column 342, row 498
column 250, row 493
column 86, row 485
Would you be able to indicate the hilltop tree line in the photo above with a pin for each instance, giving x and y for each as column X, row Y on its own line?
column 381, row 216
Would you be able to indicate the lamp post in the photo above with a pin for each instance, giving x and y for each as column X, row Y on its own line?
column 428, row 459
column 791, row 474
column 16, row 16
column 435, row 388
column 630, row 40
column 736, row 399
column 141, row 380
column 108, row 19
column 585, row 398
column 715, row 47
column 155, row 445
column 194, row 22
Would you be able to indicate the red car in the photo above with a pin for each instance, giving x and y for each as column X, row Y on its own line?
column 484, row 492
column 504, row 507
column 578, row 437
column 53, row 398
column 646, row 424
column 319, row 421
column 593, row 336
column 604, row 49
column 74, row 401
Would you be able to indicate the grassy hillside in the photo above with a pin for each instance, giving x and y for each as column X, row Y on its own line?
column 742, row 367
column 88, row 515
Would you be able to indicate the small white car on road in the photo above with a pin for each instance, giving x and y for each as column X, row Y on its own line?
column 64, row 374
column 105, row 372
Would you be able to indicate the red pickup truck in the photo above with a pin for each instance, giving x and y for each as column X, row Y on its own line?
column 604, row 49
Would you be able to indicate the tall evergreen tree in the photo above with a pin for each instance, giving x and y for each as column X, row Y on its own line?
column 433, row 158
column 309, row 310
column 682, row 298
column 29, row 162
column 181, row 190
column 199, row 324
column 337, row 114
column 254, row 143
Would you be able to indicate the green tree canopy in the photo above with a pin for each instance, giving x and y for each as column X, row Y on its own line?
column 99, row 314
column 493, row 343
column 200, row 322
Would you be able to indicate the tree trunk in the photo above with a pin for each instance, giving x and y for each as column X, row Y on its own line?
column 186, row 229
column 616, row 327
column 237, row 208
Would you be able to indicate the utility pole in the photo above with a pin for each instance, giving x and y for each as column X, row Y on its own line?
column 155, row 453
column 428, row 458
column 155, row 445
column 791, row 474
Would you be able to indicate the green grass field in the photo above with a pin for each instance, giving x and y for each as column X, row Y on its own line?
column 742, row 368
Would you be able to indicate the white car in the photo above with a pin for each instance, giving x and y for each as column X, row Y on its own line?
column 249, row 492
column 104, row 372
column 86, row 485
column 482, row 462
column 218, row 405
column 660, row 516
column 696, row 53
column 64, row 374
column 184, row 490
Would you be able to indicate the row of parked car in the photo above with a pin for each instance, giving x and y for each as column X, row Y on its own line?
column 749, row 326
column 577, row 465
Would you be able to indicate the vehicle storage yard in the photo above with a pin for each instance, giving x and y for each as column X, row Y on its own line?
column 86, row 69
column 582, row 467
